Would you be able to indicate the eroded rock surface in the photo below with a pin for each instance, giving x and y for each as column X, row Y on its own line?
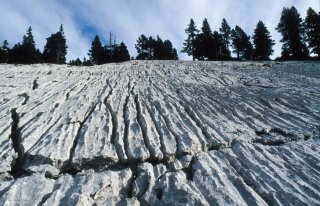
column 160, row 133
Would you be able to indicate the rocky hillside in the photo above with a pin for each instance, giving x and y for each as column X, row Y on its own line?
column 160, row 133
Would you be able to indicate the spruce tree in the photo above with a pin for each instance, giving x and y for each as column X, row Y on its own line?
column 155, row 49
column 204, row 43
column 262, row 42
column 225, row 32
column 189, row 43
column 121, row 53
column 291, row 28
column 241, row 44
column 97, row 52
column 25, row 52
column 55, row 50
column 312, row 27
column 143, row 48
column 4, row 52
column 218, row 47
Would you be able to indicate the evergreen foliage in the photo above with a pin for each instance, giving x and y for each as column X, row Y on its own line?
column 225, row 32
column 97, row 52
column 262, row 42
column 4, row 52
column 189, row 43
column 241, row 44
column 312, row 28
column 55, row 50
column 204, row 43
column 155, row 49
column 25, row 52
column 291, row 28
column 76, row 62
column 121, row 53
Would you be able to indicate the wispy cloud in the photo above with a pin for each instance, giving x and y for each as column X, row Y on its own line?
column 128, row 19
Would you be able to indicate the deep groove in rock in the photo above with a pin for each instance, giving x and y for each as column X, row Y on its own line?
column 35, row 85
column 189, row 170
column 249, row 184
column 26, row 98
column 126, row 125
column 113, row 115
column 158, row 129
column 142, row 125
column 15, row 137
column 165, row 118
column 76, row 139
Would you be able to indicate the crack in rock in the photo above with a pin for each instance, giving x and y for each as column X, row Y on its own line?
column 15, row 137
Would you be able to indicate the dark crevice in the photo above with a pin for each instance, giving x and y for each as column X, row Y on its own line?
column 15, row 137
column 35, row 85
column 276, row 142
column 286, row 137
column 26, row 98
column 159, row 193
column 142, row 123
column 135, row 175
column 67, row 96
column 250, row 183
column 189, row 170
column 68, row 166
column 126, row 125
column 114, row 119
column 167, row 123
column 158, row 130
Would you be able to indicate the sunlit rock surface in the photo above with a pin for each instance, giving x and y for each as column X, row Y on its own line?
column 160, row 133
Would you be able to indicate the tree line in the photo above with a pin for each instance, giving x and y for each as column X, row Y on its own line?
column 298, row 36
column 300, row 39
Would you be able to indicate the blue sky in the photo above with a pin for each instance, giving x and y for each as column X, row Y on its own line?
column 128, row 19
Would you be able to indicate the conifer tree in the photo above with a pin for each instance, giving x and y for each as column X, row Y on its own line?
column 204, row 43
column 143, row 48
column 55, row 50
column 155, row 49
column 97, row 53
column 291, row 28
column 241, row 44
column 312, row 27
column 225, row 32
column 189, row 43
column 262, row 42
column 4, row 52
column 26, row 52
column 121, row 53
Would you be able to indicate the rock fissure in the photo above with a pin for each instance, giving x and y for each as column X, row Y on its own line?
column 15, row 137
column 69, row 166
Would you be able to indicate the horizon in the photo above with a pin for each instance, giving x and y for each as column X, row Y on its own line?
column 83, row 20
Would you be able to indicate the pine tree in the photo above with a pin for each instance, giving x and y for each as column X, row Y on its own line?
column 55, row 50
column 169, row 53
column 218, row 46
column 225, row 32
column 262, row 42
column 155, row 49
column 143, row 48
column 241, row 44
column 291, row 28
column 121, row 53
column 189, row 43
column 97, row 53
column 76, row 62
column 204, row 43
column 312, row 27
column 4, row 52
column 26, row 52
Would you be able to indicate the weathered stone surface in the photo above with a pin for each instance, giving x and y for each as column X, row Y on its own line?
column 160, row 133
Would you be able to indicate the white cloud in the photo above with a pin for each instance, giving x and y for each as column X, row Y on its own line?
column 128, row 19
